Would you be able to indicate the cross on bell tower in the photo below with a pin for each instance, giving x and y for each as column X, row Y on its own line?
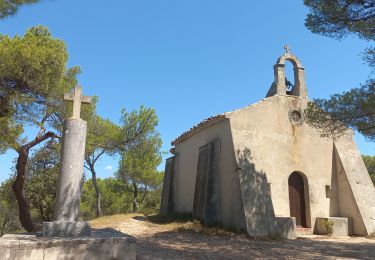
column 287, row 48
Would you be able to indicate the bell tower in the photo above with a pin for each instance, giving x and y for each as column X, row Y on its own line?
column 279, row 86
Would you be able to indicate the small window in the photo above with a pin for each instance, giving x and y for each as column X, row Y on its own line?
column 296, row 116
column 328, row 191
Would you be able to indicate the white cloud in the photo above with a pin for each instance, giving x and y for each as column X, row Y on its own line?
column 109, row 168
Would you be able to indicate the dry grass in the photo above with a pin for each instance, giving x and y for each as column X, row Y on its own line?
column 185, row 222
column 109, row 221
column 180, row 222
column 197, row 227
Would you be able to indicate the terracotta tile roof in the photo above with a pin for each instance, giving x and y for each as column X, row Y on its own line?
column 198, row 127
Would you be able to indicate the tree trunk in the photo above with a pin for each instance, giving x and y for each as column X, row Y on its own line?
column 41, row 212
column 144, row 194
column 18, row 188
column 91, row 159
column 135, row 198
column 98, row 195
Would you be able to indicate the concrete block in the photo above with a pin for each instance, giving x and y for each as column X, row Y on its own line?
column 286, row 227
column 341, row 226
column 66, row 229
column 100, row 246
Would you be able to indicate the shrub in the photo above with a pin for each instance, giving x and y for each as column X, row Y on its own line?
column 328, row 227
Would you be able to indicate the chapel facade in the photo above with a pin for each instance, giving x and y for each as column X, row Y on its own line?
column 264, row 170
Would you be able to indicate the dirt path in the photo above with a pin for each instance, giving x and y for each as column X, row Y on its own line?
column 163, row 242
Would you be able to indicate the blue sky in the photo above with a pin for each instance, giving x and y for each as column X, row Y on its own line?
column 188, row 59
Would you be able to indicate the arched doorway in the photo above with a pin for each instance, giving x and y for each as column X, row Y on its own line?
column 297, row 203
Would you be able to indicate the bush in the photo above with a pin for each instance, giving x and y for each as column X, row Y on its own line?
column 328, row 227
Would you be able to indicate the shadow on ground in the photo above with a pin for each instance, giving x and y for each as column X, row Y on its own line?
column 108, row 232
column 140, row 218
column 159, row 219
column 188, row 245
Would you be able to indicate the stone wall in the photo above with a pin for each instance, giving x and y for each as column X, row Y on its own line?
column 186, row 169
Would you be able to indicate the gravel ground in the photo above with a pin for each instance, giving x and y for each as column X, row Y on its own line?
column 164, row 242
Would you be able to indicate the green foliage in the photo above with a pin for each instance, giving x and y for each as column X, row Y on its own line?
column 9, row 133
column 136, row 127
column 100, row 137
column 370, row 165
column 328, row 226
column 41, row 186
column 139, row 165
column 151, row 204
column 101, row 134
column 115, row 199
column 10, row 7
column 355, row 109
column 42, row 172
column 139, row 147
column 338, row 18
column 8, row 209
column 33, row 80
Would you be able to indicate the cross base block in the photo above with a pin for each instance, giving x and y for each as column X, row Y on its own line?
column 66, row 229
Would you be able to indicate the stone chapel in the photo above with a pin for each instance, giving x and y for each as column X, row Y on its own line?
column 263, row 170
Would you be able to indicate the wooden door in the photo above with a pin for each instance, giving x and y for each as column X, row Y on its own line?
column 207, row 203
column 167, row 195
column 200, row 193
column 297, row 199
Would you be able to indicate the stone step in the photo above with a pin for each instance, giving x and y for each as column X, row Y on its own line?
column 303, row 231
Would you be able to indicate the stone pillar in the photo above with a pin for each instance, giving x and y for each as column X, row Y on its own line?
column 70, row 182
column 300, row 85
column 279, row 72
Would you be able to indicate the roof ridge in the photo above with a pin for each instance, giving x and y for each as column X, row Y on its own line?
column 203, row 123
column 211, row 119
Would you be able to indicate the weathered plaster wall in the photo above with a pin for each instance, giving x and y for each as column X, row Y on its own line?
column 186, row 170
column 356, row 191
column 264, row 134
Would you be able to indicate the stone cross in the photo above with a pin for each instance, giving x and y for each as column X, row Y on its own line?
column 66, row 220
column 287, row 49
column 77, row 99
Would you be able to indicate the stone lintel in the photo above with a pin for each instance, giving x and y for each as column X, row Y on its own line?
column 66, row 229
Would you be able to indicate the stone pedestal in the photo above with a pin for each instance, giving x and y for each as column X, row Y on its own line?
column 70, row 184
column 66, row 229
column 105, row 244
